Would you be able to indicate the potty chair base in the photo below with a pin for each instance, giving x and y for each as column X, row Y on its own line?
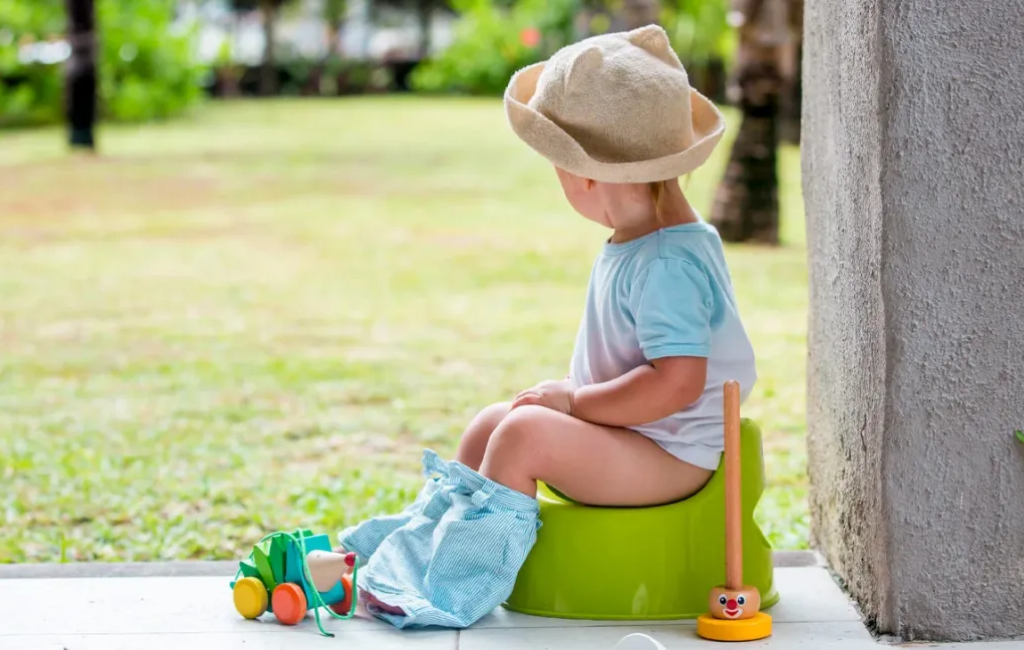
column 654, row 563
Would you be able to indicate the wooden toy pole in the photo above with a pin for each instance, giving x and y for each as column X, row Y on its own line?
column 734, row 608
column 733, row 494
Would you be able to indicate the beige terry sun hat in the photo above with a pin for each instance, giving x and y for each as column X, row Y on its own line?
column 616, row 108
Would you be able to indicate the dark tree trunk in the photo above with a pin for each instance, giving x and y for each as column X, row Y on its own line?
column 81, row 76
column 792, row 97
column 268, row 71
column 747, row 201
column 793, row 94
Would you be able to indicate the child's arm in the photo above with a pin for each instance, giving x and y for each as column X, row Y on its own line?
column 644, row 394
column 671, row 304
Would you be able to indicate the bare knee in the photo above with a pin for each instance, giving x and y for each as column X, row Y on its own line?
column 491, row 416
column 516, row 450
column 477, row 435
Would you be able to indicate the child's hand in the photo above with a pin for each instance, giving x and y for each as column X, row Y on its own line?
column 553, row 394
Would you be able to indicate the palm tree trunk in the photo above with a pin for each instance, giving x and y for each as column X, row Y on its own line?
column 747, row 202
column 81, row 74
column 792, row 97
column 268, row 71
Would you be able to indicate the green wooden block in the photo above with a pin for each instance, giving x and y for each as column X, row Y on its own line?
column 278, row 551
column 262, row 562
column 249, row 569
column 263, row 547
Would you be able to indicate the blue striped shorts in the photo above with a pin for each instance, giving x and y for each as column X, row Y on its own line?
column 453, row 555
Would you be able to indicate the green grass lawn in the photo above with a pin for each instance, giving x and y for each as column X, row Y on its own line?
column 256, row 319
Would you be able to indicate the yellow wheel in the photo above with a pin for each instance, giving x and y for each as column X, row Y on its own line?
column 250, row 598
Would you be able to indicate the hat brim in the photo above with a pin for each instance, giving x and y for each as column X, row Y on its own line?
column 562, row 150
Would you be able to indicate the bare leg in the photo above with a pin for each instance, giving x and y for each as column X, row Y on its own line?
column 590, row 463
column 474, row 439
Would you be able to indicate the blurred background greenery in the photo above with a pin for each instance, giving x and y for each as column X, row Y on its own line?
column 154, row 66
column 147, row 69
column 271, row 286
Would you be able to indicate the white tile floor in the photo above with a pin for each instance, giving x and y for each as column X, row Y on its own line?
column 195, row 613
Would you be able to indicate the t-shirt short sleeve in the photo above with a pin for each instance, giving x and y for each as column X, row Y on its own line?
column 673, row 310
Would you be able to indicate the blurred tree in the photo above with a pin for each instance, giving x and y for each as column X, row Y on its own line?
column 424, row 10
column 227, row 70
column 148, row 66
column 146, row 62
column 697, row 29
column 269, row 9
column 746, row 204
column 493, row 39
column 701, row 35
column 81, row 73
column 335, row 12
column 323, row 78
column 793, row 74
column 637, row 13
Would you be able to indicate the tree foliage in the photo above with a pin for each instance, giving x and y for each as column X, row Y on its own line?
column 148, row 68
column 494, row 38
column 699, row 30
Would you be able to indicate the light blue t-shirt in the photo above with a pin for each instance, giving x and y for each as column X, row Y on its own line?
column 663, row 295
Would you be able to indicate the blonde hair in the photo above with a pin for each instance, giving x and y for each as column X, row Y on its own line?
column 659, row 190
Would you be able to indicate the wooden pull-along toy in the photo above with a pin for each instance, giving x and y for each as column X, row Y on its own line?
column 291, row 573
column 734, row 608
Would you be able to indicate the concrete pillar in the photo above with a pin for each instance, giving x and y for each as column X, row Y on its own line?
column 913, row 148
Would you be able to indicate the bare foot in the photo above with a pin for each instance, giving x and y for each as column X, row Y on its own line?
column 368, row 598
column 371, row 600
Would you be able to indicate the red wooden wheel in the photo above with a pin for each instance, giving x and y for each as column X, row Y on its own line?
column 289, row 603
column 342, row 607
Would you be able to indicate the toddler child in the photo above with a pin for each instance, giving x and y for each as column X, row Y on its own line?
column 638, row 421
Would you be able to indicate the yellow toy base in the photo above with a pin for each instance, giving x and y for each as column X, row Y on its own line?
column 748, row 629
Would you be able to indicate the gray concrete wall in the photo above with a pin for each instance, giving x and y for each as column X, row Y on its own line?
column 913, row 149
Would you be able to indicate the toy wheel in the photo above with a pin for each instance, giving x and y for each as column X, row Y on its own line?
column 342, row 608
column 289, row 603
column 250, row 598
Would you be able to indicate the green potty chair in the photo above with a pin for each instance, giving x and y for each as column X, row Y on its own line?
column 643, row 563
